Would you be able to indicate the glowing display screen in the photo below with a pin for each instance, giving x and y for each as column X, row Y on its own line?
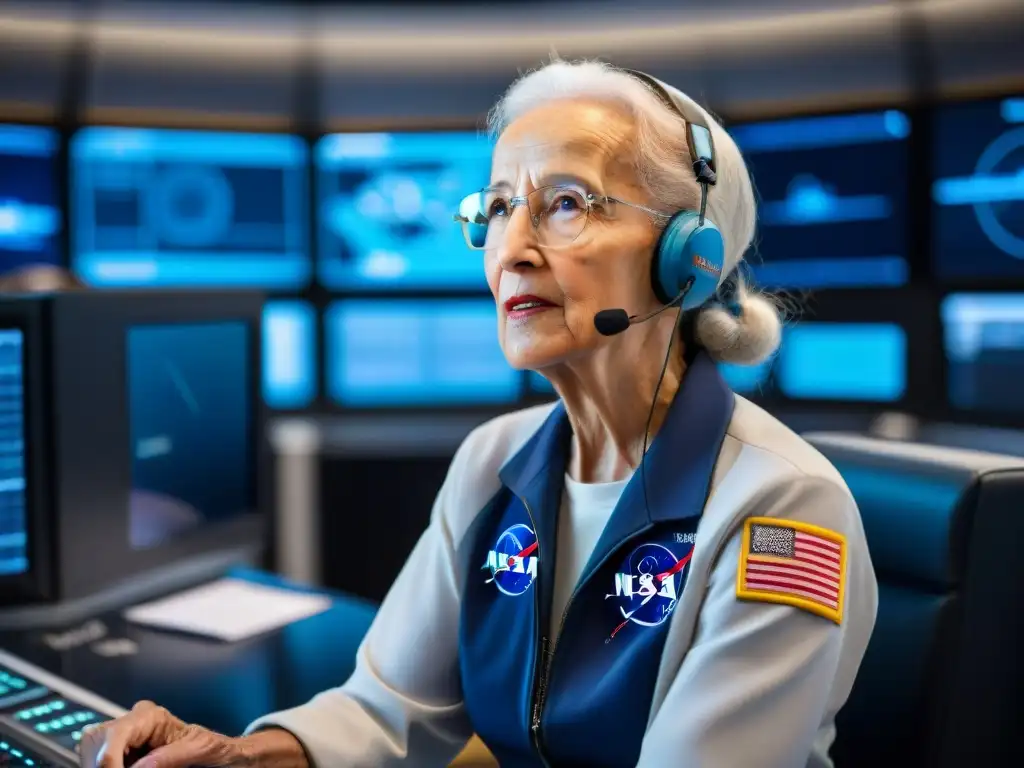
column 170, row 208
column 978, row 194
column 417, row 352
column 30, row 220
column 386, row 202
column 832, row 209
column 984, row 342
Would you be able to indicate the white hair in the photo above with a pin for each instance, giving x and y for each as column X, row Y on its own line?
column 747, row 332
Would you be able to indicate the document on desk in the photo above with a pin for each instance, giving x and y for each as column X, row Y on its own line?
column 228, row 609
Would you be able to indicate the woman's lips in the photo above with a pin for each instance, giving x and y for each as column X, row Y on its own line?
column 523, row 307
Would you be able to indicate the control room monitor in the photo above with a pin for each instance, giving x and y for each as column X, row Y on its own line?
column 385, row 206
column 30, row 219
column 174, row 208
column 834, row 362
column 13, row 523
column 984, row 344
column 978, row 193
column 401, row 353
column 289, row 354
column 191, row 427
column 131, row 438
column 833, row 199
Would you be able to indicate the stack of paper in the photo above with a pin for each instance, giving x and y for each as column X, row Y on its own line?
column 229, row 609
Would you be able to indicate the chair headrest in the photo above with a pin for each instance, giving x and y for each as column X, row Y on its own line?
column 916, row 501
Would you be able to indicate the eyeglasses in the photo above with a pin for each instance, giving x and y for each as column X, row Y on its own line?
column 559, row 215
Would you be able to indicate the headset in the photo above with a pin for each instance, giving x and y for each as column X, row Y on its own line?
column 690, row 254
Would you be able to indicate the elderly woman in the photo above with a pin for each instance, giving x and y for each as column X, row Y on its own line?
column 579, row 599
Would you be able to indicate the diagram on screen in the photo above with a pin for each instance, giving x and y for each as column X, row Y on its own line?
column 995, row 192
column 26, row 227
column 386, row 216
column 189, row 208
column 831, row 190
column 30, row 218
column 809, row 200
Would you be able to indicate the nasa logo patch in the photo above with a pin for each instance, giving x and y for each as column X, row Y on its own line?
column 512, row 562
column 648, row 583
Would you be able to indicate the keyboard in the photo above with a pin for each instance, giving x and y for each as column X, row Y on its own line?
column 42, row 716
column 16, row 751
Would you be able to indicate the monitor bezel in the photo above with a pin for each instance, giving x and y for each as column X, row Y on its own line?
column 37, row 583
column 107, row 316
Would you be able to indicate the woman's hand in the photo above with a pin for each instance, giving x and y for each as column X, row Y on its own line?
column 161, row 739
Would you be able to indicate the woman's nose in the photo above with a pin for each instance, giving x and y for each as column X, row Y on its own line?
column 517, row 248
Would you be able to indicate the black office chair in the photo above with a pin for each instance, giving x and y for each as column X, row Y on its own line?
column 942, row 682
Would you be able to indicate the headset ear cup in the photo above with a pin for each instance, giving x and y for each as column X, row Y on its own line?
column 688, row 249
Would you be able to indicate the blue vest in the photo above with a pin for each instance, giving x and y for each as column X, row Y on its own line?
column 585, row 699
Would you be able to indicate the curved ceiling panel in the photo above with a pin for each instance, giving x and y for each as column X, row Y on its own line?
column 181, row 64
column 976, row 47
column 35, row 41
column 739, row 57
column 241, row 65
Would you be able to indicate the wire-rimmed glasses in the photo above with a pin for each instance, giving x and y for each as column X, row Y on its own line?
column 559, row 214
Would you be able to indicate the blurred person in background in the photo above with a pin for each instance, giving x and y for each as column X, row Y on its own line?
column 39, row 278
column 579, row 599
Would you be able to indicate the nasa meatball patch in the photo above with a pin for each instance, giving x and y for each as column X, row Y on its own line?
column 649, row 582
column 512, row 561
column 793, row 564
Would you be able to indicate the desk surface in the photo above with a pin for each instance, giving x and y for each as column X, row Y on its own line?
column 223, row 686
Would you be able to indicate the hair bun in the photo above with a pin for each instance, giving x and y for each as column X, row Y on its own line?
column 746, row 333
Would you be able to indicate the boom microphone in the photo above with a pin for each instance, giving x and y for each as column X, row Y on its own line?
column 611, row 322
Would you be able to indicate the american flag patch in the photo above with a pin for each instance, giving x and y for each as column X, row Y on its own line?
column 794, row 564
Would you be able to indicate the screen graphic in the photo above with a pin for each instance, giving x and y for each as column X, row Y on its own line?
column 864, row 362
column 30, row 220
column 386, row 202
column 833, row 199
column 289, row 354
column 169, row 208
column 417, row 352
column 13, row 529
column 979, row 190
column 189, row 410
column 984, row 340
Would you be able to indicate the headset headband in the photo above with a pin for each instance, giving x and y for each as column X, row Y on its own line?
column 698, row 135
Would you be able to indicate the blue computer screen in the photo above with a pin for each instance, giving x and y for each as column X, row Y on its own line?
column 979, row 190
column 170, row 208
column 538, row 384
column 190, row 424
column 748, row 380
column 860, row 362
column 289, row 354
column 984, row 341
column 833, row 199
column 418, row 352
column 30, row 219
column 386, row 204
column 13, row 537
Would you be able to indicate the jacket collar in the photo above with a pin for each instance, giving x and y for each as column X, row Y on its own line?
column 678, row 466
